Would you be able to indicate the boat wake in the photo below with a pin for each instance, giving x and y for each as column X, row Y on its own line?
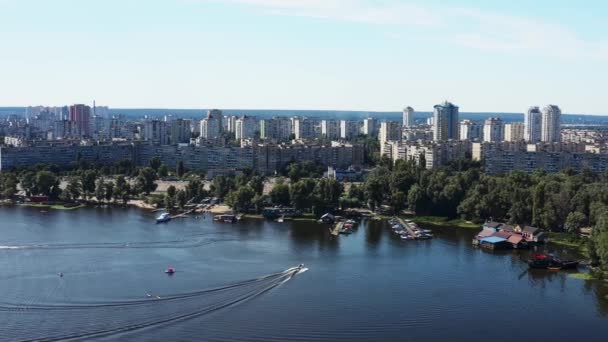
column 84, row 320
column 197, row 241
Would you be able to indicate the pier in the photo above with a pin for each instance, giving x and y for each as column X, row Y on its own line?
column 184, row 214
column 407, row 227
column 335, row 231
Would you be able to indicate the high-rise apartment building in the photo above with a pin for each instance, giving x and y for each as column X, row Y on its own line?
column 278, row 128
column 155, row 131
column 445, row 122
column 330, row 129
column 211, row 127
column 245, row 127
column 470, row 130
column 532, row 125
column 349, row 129
column 180, row 131
column 370, row 127
column 514, row 131
column 389, row 131
column 80, row 115
column 303, row 128
column 408, row 117
column 493, row 130
column 551, row 124
column 229, row 123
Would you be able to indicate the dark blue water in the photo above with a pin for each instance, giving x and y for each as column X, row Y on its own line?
column 368, row 286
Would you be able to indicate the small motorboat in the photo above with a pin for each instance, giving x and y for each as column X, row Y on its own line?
column 549, row 262
column 345, row 231
column 164, row 217
column 170, row 270
column 225, row 218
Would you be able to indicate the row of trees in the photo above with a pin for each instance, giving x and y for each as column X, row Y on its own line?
column 245, row 192
column 123, row 167
column 83, row 184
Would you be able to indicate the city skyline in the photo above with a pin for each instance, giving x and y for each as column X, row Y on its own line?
column 308, row 55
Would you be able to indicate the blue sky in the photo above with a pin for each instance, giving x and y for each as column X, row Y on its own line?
column 305, row 54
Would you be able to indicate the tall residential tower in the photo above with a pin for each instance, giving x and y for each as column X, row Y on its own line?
column 211, row 127
column 445, row 122
column 551, row 126
column 408, row 117
column 533, row 124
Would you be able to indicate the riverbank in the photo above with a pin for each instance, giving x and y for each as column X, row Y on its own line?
column 438, row 221
column 569, row 240
column 55, row 206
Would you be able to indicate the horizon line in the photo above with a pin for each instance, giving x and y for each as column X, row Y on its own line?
column 299, row 110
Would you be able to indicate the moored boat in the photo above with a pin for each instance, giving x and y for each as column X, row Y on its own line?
column 225, row 218
column 164, row 217
column 406, row 237
column 549, row 262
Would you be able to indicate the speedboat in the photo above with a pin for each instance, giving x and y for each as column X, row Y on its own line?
column 170, row 270
column 164, row 217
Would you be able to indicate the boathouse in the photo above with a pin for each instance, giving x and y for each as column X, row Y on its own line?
column 494, row 242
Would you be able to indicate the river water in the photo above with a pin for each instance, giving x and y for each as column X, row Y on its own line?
column 230, row 284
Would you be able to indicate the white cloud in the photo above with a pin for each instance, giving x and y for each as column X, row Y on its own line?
column 348, row 10
column 465, row 27
column 523, row 35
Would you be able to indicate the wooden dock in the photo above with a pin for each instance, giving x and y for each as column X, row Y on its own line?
column 184, row 214
column 407, row 227
column 335, row 231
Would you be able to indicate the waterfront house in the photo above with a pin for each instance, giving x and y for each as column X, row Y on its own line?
column 533, row 234
column 517, row 241
column 485, row 232
column 508, row 236
column 492, row 225
column 507, row 228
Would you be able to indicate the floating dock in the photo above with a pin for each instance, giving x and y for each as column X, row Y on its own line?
column 335, row 231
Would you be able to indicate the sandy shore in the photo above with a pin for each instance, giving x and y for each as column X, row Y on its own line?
column 220, row 209
column 141, row 204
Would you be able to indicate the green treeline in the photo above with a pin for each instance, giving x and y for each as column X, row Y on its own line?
column 562, row 202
